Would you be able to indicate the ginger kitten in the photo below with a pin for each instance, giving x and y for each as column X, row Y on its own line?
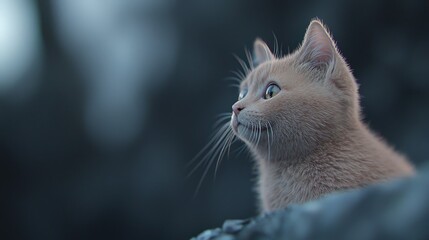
column 300, row 117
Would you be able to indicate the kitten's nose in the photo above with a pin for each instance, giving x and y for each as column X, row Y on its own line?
column 236, row 108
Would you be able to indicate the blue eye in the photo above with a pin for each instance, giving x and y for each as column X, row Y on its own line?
column 242, row 94
column 271, row 91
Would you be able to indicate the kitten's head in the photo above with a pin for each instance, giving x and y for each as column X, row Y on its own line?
column 292, row 104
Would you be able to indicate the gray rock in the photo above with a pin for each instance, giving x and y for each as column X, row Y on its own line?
column 395, row 210
column 209, row 234
column 234, row 226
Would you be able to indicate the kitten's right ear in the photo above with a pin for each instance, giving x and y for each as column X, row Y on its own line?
column 318, row 50
column 261, row 52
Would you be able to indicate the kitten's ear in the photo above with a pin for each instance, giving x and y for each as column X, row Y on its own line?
column 261, row 52
column 318, row 50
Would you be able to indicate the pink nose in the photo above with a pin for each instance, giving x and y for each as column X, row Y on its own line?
column 237, row 109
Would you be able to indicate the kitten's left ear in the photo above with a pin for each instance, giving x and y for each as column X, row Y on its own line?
column 261, row 52
column 318, row 50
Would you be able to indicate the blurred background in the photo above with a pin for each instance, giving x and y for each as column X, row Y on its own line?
column 104, row 102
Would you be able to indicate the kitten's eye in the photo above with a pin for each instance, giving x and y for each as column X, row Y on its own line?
column 271, row 91
column 242, row 94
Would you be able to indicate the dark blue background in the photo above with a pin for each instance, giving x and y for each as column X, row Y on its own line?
column 96, row 130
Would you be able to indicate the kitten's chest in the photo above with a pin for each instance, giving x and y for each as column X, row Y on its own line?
column 278, row 189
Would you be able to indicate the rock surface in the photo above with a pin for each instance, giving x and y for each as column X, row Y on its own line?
column 393, row 210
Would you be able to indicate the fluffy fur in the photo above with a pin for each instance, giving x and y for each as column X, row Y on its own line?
column 309, row 139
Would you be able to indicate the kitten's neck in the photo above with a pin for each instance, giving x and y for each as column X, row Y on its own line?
column 298, row 152
column 300, row 176
column 353, row 159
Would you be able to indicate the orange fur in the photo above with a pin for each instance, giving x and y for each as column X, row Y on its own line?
column 309, row 139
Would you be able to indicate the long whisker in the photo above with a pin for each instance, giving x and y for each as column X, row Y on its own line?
column 237, row 86
column 215, row 138
column 255, row 129
column 272, row 132
column 238, row 75
column 223, row 150
column 222, row 119
column 237, row 78
column 233, row 140
column 217, row 146
column 249, row 58
column 223, row 114
column 210, row 157
column 252, row 132
column 243, row 64
column 268, row 144
column 272, row 139
column 259, row 132
column 240, row 150
column 276, row 46
column 255, row 133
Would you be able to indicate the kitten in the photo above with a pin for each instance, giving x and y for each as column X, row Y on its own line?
column 300, row 117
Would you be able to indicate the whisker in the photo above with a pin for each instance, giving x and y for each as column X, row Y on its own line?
column 222, row 151
column 255, row 137
column 276, row 45
column 238, row 75
column 268, row 144
column 240, row 150
column 272, row 139
column 243, row 64
column 237, row 78
column 209, row 158
column 223, row 114
column 272, row 132
column 255, row 130
column 234, row 86
column 216, row 137
column 232, row 141
column 259, row 132
column 256, row 134
column 222, row 119
column 249, row 58
column 252, row 132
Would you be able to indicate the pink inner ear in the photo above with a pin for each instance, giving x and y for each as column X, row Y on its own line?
column 261, row 52
column 318, row 46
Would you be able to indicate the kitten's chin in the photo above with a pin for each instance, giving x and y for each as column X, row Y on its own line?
column 249, row 134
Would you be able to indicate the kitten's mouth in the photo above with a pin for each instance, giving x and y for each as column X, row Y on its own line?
column 254, row 128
